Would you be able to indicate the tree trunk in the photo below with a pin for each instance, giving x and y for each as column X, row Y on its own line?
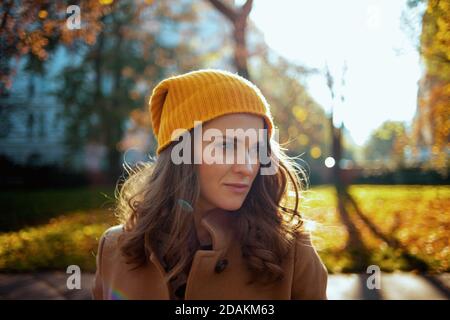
column 238, row 18
column 240, row 47
column 113, row 118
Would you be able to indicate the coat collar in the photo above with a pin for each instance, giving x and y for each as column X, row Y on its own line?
column 221, row 226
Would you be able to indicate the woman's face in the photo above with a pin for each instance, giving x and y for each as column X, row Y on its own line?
column 225, row 185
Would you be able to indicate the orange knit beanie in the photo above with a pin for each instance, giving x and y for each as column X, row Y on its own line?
column 202, row 95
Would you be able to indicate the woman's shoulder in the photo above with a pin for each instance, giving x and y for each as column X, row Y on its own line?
column 310, row 273
column 108, row 246
column 305, row 252
column 303, row 238
column 110, row 237
column 114, row 231
column 304, row 244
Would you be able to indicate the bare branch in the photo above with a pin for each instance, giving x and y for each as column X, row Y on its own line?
column 246, row 8
column 225, row 9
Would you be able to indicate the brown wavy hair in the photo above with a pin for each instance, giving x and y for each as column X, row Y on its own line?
column 267, row 222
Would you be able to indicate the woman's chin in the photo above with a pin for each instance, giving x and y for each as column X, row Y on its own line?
column 232, row 206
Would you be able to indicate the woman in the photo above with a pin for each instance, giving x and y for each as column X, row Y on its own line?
column 216, row 216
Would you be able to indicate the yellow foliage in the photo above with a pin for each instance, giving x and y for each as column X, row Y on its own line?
column 68, row 239
column 43, row 14
column 300, row 113
column 315, row 152
column 303, row 139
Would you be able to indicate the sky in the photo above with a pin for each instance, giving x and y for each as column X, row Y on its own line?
column 383, row 67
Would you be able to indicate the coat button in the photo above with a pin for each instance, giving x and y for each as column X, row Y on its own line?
column 221, row 265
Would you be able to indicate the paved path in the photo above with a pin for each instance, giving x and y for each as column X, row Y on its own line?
column 52, row 285
column 394, row 286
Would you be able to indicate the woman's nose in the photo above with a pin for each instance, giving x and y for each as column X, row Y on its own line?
column 244, row 164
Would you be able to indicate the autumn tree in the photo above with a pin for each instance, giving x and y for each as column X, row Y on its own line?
column 116, row 74
column 432, row 120
column 386, row 145
column 238, row 17
column 33, row 29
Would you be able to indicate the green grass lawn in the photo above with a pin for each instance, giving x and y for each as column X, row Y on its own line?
column 20, row 209
column 415, row 216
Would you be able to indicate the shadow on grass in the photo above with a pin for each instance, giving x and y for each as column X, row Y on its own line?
column 362, row 259
column 438, row 284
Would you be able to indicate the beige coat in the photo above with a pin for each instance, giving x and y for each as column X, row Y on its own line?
column 218, row 274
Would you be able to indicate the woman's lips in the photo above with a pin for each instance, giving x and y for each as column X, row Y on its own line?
column 237, row 187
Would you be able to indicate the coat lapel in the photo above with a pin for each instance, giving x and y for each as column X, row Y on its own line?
column 204, row 270
column 221, row 226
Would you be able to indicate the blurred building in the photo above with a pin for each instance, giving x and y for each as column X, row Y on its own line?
column 31, row 130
